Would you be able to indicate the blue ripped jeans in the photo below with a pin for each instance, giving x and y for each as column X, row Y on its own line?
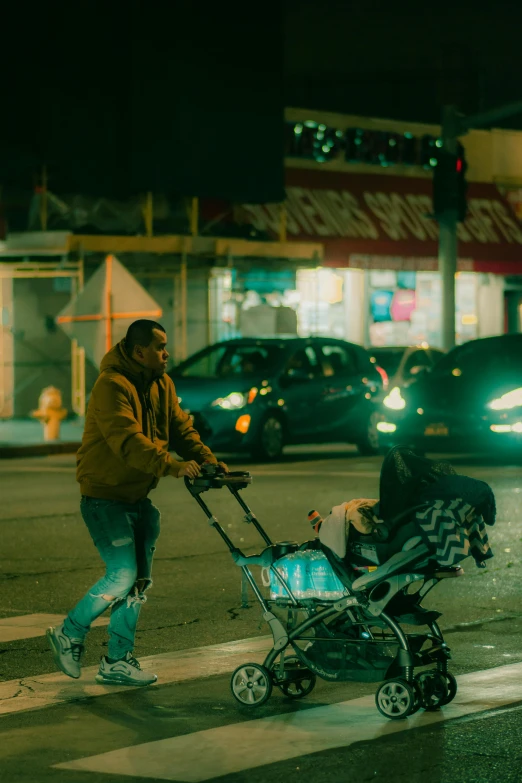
column 125, row 535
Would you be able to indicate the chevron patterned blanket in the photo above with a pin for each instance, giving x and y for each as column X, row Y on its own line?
column 453, row 530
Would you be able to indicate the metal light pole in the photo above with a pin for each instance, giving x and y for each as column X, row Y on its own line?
column 448, row 245
column 454, row 125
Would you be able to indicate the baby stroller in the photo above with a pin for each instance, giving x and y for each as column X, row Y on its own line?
column 354, row 632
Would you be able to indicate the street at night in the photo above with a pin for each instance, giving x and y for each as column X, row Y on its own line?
column 194, row 633
column 261, row 392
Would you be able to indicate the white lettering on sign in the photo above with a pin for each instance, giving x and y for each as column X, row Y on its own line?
column 406, row 264
column 354, row 221
column 306, row 201
column 505, row 221
column 408, row 216
column 338, row 213
column 422, row 207
column 378, row 204
column 261, row 218
column 462, row 233
column 293, row 208
column 479, row 209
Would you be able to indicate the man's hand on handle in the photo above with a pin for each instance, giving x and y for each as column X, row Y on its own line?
column 192, row 469
column 221, row 465
column 189, row 469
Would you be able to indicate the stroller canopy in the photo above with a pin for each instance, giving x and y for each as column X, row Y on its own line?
column 408, row 481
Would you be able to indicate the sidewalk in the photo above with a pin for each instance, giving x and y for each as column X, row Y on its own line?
column 24, row 438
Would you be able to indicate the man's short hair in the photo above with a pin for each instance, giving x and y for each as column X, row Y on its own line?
column 141, row 333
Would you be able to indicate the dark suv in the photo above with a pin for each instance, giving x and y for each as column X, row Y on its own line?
column 260, row 394
column 471, row 400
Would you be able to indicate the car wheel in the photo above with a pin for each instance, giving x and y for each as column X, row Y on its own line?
column 368, row 446
column 271, row 439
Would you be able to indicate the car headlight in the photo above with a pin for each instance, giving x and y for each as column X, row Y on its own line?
column 395, row 400
column 232, row 401
column 510, row 400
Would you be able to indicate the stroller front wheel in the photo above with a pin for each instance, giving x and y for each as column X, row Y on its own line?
column 452, row 687
column 251, row 685
column 435, row 689
column 396, row 699
column 301, row 681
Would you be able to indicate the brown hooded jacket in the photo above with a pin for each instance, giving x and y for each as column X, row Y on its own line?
column 132, row 421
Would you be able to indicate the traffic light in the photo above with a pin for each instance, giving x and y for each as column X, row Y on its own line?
column 449, row 183
column 462, row 185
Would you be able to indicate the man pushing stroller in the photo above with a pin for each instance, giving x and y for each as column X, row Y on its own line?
column 133, row 420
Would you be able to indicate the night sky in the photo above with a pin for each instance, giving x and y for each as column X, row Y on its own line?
column 187, row 98
column 403, row 59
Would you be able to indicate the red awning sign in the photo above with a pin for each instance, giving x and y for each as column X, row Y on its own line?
column 356, row 215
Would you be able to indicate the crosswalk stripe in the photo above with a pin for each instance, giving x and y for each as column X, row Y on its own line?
column 28, row 626
column 508, row 472
column 477, row 472
column 37, row 469
column 213, row 753
column 334, row 473
column 32, row 693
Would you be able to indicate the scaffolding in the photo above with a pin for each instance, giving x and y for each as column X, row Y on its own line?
column 12, row 270
column 181, row 249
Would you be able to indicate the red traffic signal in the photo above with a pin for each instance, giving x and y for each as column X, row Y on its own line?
column 449, row 184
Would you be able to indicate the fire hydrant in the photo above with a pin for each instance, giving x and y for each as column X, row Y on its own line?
column 50, row 412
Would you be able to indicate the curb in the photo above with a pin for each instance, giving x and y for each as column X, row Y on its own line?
column 8, row 451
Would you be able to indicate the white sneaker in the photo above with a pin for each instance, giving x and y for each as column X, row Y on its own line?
column 67, row 652
column 126, row 671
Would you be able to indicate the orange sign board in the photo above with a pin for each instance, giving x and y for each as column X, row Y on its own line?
column 99, row 316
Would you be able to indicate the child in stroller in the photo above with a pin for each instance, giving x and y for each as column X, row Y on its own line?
column 384, row 562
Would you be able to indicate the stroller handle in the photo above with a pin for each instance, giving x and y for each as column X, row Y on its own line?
column 215, row 477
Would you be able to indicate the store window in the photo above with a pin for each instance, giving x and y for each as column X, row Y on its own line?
column 379, row 308
column 405, row 308
column 252, row 302
column 320, row 297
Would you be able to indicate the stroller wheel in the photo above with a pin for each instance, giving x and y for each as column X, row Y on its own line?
column 396, row 699
column 451, row 682
column 251, row 684
column 301, row 680
column 434, row 688
column 418, row 698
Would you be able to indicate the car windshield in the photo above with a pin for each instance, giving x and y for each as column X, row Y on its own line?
column 230, row 361
column 481, row 358
column 388, row 359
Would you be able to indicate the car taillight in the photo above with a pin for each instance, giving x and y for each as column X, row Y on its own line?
column 384, row 376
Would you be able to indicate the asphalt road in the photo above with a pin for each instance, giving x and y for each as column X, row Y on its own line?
column 47, row 562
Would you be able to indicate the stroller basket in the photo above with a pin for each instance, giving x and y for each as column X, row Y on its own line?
column 348, row 660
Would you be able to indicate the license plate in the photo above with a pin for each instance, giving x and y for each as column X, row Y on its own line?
column 437, row 429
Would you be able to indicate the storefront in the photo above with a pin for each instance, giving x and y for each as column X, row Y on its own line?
column 379, row 283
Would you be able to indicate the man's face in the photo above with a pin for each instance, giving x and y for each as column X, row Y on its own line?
column 154, row 356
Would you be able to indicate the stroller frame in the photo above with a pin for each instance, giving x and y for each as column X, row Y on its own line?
column 403, row 691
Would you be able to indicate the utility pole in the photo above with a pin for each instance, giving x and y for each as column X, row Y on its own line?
column 448, row 218
column 449, row 199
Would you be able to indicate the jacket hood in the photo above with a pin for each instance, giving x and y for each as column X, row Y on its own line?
column 118, row 360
